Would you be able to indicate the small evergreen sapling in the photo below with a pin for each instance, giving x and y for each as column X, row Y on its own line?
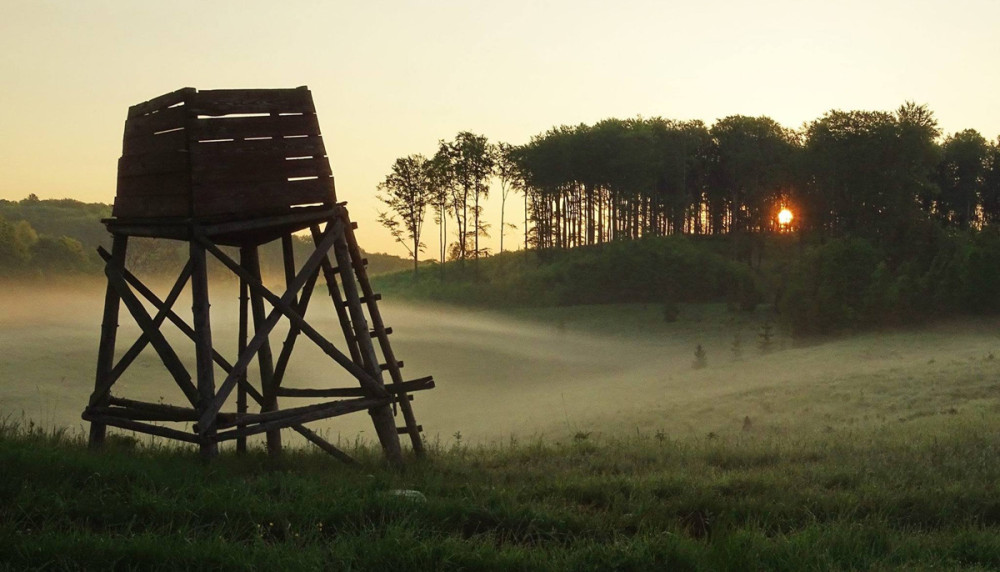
column 737, row 346
column 700, row 358
column 765, row 339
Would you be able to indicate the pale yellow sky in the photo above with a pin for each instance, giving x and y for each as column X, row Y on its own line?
column 392, row 78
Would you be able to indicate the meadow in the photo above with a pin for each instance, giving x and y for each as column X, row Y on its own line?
column 567, row 438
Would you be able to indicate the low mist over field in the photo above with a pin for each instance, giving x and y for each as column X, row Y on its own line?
column 554, row 374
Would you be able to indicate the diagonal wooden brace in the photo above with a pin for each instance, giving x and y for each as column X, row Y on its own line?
column 180, row 374
column 206, row 422
column 163, row 312
column 282, row 306
column 165, row 306
column 293, row 333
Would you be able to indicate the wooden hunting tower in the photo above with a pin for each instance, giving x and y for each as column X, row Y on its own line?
column 240, row 168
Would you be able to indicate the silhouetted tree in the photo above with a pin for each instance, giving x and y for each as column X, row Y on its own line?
column 508, row 171
column 407, row 191
column 960, row 177
column 865, row 170
column 991, row 185
column 467, row 164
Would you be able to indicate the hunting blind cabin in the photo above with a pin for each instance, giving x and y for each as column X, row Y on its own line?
column 238, row 169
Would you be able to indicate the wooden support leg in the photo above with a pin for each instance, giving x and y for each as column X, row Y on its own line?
column 109, row 331
column 203, row 340
column 241, row 389
column 265, row 361
column 385, row 425
column 300, row 307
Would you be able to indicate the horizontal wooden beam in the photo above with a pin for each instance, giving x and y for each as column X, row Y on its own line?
column 216, row 129
column 395, row 388
column 217, row 199
column 303, row 216
column 217, row 102
column 140, row 427
column 161, row 102
column 203, row 154
column 268, row 416
column 141, row 414
column 330, row 410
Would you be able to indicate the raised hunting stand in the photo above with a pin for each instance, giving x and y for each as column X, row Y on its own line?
column 241, row 168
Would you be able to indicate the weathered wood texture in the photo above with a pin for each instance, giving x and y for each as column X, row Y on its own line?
column 391, row 364
column 208, row 154
column 241, row 168
column 202, row 338
column 395, row 389
column 250, row 259
column 106, row 349
column 241, row 385
column 382, row 417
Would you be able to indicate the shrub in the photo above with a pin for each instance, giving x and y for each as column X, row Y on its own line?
column 828, row 289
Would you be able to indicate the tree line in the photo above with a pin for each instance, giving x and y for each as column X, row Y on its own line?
column 870, row 174
column 44, row 237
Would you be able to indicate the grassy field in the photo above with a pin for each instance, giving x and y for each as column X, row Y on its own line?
column 562, row 439
column 917, row 496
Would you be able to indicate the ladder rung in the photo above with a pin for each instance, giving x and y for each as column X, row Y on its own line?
column 385, row 366
column 374, row 334
column 364, row 300
column 404, row 430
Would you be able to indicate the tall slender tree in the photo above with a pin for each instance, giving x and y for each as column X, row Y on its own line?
column 990, row 198
column 467, row 163
column 442, row 183
column 960, row 177
column 508, row 171
column 408, row 190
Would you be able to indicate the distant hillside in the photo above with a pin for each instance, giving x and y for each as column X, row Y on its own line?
column 662, row 270
column 42, row 237
column 61, row 217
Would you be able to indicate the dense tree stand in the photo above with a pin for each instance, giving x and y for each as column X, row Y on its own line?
column 227, row 171
column 336, row 259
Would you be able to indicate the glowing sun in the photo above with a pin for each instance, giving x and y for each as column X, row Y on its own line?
column 785, row 217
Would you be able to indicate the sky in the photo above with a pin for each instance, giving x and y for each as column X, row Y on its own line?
column 392, row 78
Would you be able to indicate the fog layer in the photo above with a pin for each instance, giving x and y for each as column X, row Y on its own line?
column 575, row 372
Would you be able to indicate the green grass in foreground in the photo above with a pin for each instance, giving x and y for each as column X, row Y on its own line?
column 913, row 496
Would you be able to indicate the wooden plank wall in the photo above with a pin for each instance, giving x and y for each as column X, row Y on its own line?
column 222, row 153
